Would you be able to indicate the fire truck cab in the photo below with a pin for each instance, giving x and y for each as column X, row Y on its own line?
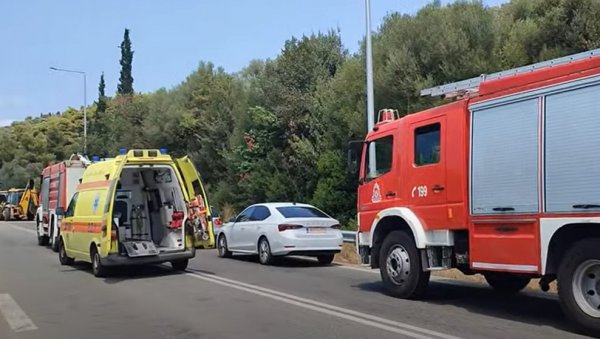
column 58, row 184
column 502, row 181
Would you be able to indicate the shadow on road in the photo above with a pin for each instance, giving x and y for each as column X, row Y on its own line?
column 118, row 274
column 522, row 307
column 290, row 261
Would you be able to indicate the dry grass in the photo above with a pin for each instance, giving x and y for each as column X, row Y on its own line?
column 349, row 256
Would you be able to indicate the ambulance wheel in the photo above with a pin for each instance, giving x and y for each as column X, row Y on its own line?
column 506, row 282
column 400, row 267
column 325, row 259
column 180, row 265
column 98, row 269
column 222, row 250
column 62, row 254
column 579, row 285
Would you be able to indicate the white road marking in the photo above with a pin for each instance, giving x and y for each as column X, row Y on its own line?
column 344, row 313
column 16, row 318
column 22, row 229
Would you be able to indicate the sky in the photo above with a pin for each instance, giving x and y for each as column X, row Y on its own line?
column 169, row 38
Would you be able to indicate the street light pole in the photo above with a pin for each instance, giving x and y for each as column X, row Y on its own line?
column 370, row 100
column 84, row 102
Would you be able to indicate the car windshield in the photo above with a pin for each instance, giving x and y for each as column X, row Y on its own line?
column 301, row 212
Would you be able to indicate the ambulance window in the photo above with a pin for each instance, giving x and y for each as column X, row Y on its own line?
column 71, row 210
column 427, row 145
column 383, row 157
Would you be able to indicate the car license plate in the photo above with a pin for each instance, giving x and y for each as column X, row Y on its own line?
column 316, row 230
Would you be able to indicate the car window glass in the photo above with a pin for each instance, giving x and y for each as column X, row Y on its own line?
column 245, row 215
column 260, row 213
column 301, row 212
column 71, row 210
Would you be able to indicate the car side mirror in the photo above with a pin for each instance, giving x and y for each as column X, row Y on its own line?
column 60, row 211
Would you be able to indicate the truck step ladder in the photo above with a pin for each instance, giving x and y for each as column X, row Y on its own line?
column 471, row 85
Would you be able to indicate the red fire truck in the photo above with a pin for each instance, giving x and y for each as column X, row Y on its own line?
column 58, row 184
column 503, row 181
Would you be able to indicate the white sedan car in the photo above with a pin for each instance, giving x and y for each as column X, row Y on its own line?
column 279, row 229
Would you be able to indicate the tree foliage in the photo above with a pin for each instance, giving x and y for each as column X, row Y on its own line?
column 278, row 130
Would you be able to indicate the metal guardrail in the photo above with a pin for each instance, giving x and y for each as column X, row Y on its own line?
column 349, row 236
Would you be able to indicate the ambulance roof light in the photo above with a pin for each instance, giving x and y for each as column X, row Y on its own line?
column 95, row 158
column 163, row 151
column 123, row 151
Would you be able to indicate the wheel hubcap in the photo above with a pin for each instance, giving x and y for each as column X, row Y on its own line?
column 586, row 287
column 398, row 265
column 222, row 245
column 264, row 250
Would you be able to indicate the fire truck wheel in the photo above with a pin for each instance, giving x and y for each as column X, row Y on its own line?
column 506, row 282
column 98, row 269
column 54, row 237
column 42, row 239
column 222, row 250
column 62, row 254
column 579, row 285
column 400, row 267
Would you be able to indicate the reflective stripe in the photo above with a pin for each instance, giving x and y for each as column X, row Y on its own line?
column 94, row 184
column 508, row 267
column 83, row 227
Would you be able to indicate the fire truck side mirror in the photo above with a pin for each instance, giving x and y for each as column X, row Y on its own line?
column 354, row 156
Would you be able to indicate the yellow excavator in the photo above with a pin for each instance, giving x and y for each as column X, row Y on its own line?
column 21, row 203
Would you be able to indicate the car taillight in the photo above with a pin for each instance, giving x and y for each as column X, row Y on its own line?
column 217, row 221
column 285, row 227
column 336, row 227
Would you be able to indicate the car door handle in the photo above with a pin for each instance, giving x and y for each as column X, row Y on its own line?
column 390, row 194
column 437, row 188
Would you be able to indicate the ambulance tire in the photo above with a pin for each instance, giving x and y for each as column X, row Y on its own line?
column 62, row 254
column 507, row 283
column 222, row 250
column 98, row 269
column 400, row 267
column 179, row 265
column 576, row 271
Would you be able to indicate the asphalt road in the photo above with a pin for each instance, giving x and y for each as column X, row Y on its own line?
column 238, row 298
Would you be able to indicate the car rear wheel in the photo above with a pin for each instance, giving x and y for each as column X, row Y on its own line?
column 325, row 259
column 98, row 269
column 180, row 265
column 400, row 267
column 222, row 250
column 264, row 252
column 62, row 254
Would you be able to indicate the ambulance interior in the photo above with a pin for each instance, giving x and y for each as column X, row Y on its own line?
column 149, row 209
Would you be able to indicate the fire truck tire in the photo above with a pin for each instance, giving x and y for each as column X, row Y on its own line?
column 506, row 282
column 400, row 267
column 98, row 269
column 41, row 239
column 62, row 254
column 54, row 238
column 222, row 250
column 579, row 285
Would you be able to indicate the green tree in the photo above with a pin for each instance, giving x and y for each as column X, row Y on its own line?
column 101, row 103
column 125, row 86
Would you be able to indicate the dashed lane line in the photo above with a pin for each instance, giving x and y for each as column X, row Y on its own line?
column 14, row 315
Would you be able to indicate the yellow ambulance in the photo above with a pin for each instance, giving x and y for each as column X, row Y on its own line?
column 141, row 207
